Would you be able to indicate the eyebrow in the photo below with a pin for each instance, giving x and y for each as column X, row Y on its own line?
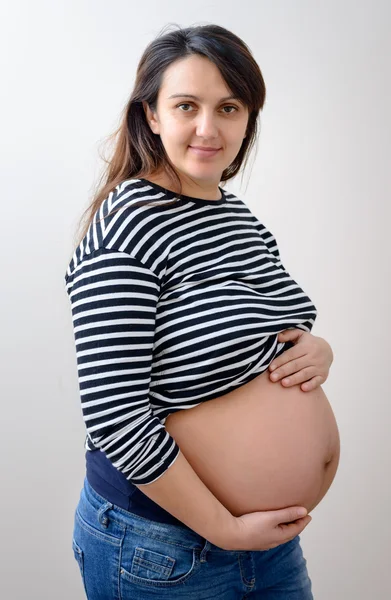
column 197, row 98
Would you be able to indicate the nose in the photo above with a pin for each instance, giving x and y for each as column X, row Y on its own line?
column 206, row 126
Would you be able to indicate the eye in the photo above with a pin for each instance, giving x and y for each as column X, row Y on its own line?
column 183, row 104
column 228, row 106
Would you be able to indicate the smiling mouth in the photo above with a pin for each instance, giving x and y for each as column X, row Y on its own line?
column 203, row 152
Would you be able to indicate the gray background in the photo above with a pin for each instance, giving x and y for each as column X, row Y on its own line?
column 320, row 181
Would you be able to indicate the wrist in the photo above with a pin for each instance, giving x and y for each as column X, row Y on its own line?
column 226, row 536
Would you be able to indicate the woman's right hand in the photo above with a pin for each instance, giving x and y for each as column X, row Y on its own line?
column 263, row 530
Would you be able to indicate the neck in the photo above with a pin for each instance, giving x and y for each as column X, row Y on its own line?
column 194, row 190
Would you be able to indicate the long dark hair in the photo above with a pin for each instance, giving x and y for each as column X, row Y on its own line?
column 138, row 152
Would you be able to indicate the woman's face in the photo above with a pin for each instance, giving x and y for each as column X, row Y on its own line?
column 209, row 120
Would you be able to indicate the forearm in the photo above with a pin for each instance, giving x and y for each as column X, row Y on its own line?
column 183, row 494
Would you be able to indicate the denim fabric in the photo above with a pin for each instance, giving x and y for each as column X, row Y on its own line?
column 123, row 556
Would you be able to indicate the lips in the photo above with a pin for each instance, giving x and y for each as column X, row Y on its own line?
column 204, row 151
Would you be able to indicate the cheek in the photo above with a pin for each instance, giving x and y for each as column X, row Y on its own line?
column 233, row 146
column 172, row 143
column 176, row 134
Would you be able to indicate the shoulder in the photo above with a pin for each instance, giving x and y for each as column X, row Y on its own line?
column 123, row 226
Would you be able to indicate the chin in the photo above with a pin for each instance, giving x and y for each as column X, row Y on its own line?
column 206, row 173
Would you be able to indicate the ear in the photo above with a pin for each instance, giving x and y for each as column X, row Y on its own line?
column 151, row 118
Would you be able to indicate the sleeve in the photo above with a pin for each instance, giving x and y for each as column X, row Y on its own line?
column 271, row 243
column 114, row 300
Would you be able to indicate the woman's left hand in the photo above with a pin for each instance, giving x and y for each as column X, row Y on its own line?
column 308, row 361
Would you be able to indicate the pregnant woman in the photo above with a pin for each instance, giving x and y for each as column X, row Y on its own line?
column 197, row 461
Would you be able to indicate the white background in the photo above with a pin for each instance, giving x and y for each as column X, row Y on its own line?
column 320, row 181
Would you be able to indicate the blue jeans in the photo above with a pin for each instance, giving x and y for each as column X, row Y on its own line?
column 123, row 556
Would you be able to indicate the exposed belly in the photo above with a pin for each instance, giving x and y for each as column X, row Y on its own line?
column 260, row 447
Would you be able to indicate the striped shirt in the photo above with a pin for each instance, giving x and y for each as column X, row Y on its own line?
column 172, row 305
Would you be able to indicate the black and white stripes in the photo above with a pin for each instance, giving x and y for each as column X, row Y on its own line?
column 172, row 305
